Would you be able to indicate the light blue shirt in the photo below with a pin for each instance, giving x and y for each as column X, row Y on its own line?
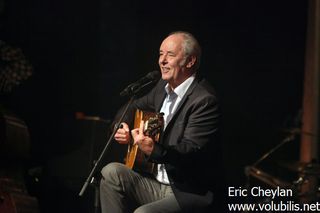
column 169, row 106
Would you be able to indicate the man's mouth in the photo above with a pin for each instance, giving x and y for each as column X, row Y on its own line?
column 165, row 69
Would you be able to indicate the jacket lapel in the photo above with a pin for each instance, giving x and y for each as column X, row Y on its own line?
column 184, row 99
column 160, row 96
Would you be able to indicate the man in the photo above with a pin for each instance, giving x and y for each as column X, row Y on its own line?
column 188, row 151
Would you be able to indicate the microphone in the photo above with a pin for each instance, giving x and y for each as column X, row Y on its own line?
column 135, row 87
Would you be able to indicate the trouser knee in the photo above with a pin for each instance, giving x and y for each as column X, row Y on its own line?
column 113, row 171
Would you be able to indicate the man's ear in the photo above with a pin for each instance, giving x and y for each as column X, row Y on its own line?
column 191, row 61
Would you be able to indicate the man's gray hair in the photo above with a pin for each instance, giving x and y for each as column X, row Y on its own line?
column 191, row 46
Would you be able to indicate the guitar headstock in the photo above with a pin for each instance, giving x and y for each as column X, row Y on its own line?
column 154, row 125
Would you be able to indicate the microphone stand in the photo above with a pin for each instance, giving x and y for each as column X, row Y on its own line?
column 284, row 141
column 131, row 90
column 90, row 178
column 250, row 168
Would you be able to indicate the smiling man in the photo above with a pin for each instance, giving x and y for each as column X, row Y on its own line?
column 177, row 59
column 189, row 144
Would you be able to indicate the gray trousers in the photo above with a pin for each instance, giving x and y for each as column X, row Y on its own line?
column 123, row 190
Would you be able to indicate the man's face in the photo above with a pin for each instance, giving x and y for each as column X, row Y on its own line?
column 172, row 60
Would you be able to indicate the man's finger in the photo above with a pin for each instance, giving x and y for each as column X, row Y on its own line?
column 141, row 129
column 134, row 132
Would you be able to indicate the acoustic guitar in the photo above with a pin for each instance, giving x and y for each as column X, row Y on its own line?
column 153, row 126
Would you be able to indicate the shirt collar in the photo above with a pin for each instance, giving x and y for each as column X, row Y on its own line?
column 182, row 88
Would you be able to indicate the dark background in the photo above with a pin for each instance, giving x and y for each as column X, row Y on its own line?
column 85, row 52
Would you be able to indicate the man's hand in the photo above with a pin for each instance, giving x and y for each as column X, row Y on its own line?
column 145, row 143
column 122, row 135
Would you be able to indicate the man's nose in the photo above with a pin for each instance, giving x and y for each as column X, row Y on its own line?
column 163, row 59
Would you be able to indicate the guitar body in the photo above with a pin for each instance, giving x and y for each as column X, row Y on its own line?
column 135, row 158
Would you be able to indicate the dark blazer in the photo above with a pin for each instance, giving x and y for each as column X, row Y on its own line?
column 189, row 147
